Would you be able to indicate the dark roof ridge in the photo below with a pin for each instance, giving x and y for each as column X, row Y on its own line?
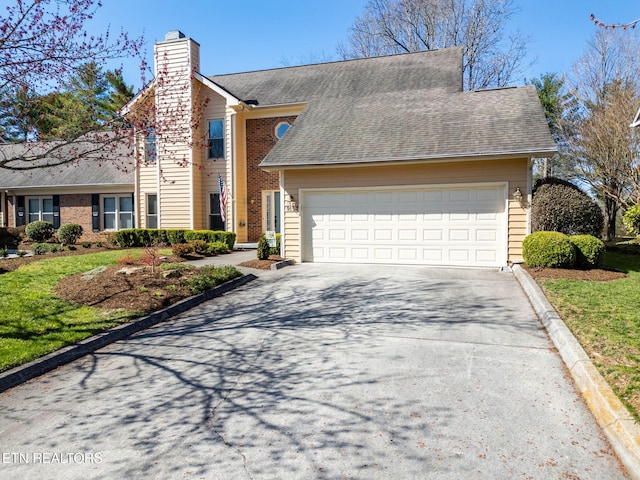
column 335, row 62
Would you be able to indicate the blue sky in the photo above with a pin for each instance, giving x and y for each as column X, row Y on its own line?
column 244, row 35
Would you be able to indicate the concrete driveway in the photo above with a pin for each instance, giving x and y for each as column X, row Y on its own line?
column 318, row 371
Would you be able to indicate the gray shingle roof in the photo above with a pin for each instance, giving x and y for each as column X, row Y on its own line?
column 110, row 167
column 393, row 108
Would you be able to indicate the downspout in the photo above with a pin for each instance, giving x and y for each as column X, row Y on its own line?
column 282, row 214
column 233, row 174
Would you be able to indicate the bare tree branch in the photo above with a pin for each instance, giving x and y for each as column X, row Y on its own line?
column 491, row 58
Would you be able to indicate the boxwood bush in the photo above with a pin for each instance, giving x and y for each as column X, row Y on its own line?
column 548, row 249
column 589, row 250
column 176, row 237
column 210, row 236
column 39, row 231
column 560, row 206
column 264, row 250
column 141, row 237
column 69, row 233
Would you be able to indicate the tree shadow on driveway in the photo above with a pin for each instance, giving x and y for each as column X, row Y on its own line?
column 322, row 373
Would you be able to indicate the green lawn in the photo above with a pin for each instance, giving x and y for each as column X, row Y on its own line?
column 34, row 322
column 605, row 318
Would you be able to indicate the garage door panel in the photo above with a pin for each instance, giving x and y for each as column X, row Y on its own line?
column 455, row 226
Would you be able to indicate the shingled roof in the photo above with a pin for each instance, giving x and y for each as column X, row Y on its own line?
column 111, row 167
column 393, row 108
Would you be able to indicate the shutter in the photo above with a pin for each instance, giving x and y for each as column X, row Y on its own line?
column 56, row 211
column 95, row 212
column 20, row 214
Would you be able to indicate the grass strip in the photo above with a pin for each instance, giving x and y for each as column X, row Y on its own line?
column 605, row 318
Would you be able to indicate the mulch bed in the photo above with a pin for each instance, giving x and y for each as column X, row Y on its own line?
column 595, row 274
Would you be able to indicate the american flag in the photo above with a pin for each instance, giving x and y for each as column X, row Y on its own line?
column 223, row 199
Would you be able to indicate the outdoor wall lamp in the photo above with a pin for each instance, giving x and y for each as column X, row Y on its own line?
column 517, row 195
column 290, row 204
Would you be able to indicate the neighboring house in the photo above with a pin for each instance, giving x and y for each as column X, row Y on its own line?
column 384, row 160
column 97, row 193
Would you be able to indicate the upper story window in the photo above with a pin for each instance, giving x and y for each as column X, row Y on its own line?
column 150, row 146
column 216, row 139
column 281, row 129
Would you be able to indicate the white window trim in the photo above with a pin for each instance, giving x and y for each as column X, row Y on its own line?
column 224, row 146
column 117, row 212
column 40, row 207
column 146, row 210
column 265, row 220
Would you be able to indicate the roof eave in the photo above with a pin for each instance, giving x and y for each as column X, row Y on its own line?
column 537, row 153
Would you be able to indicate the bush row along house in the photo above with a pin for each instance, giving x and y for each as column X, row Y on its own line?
column 379, row 160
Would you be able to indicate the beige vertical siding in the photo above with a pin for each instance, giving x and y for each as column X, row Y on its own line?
column 513, row 171
column 146, row 181
column 208, row 106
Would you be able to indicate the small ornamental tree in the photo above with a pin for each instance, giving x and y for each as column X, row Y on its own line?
column 560, row 206
column 631, row 219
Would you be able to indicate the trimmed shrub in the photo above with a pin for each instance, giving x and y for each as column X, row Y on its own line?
column 39, row 231
column 125, row 238
column 211, row 236
column 9, row 238
column 216, row 248
column 631, row 219
column 69, row 233
column 560, row 206
column 589, row 250
column 44, row 248
column 175, row 236
column 548, row 249
column 199, row 246
column 182, row 250
column 4, row 252
column 209, row 277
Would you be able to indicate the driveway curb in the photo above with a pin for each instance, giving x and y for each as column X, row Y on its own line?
column 49, row 362
column 617, row 423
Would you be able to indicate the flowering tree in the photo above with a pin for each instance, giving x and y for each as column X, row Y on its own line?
column 42, row 44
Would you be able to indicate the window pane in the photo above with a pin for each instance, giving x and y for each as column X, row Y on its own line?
column 47, row 217
column 109, row 204
column 152, row 221
column 281, row 129
column 215, row 219
column 215, row 129
column 34, row 206
column 47, row 205
column 109, row 221
column 216, row 139
column 150, row 147
column 34, row 217
column 126, row 204
column 152, row 204
column 126, row 220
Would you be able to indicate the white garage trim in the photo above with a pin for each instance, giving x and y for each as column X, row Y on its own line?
column 452, row 224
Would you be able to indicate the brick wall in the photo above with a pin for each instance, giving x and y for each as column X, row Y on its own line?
column 76, row 208
column 261, row 138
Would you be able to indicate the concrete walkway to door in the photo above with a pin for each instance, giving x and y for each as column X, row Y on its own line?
column 319, row 371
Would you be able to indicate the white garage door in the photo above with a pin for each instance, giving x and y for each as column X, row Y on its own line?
column 422, row 226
